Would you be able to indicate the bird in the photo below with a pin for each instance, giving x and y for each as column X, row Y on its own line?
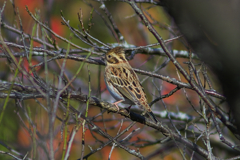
column 123, row 83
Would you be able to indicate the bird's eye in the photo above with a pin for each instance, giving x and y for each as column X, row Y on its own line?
column 109, row 56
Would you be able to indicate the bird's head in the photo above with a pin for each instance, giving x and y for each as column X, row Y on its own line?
column 115, row 56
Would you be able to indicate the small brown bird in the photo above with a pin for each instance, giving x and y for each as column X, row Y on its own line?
column 123, row 83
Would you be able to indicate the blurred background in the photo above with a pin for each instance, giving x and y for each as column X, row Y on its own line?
column 25, row 127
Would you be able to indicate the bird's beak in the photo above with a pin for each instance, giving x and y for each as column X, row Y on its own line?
column 102, row 58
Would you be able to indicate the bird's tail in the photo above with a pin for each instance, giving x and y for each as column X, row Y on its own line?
column 152, row 116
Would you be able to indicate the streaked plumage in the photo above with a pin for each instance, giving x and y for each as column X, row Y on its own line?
column 123, row 83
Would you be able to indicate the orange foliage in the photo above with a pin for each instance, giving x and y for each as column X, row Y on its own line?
column 26, row 64
column 168, row 87
column 56, row 25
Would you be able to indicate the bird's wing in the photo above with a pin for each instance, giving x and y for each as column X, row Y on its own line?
column 125, row 80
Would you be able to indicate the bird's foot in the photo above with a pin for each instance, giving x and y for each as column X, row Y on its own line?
column 128, row 109
column 115, row 103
